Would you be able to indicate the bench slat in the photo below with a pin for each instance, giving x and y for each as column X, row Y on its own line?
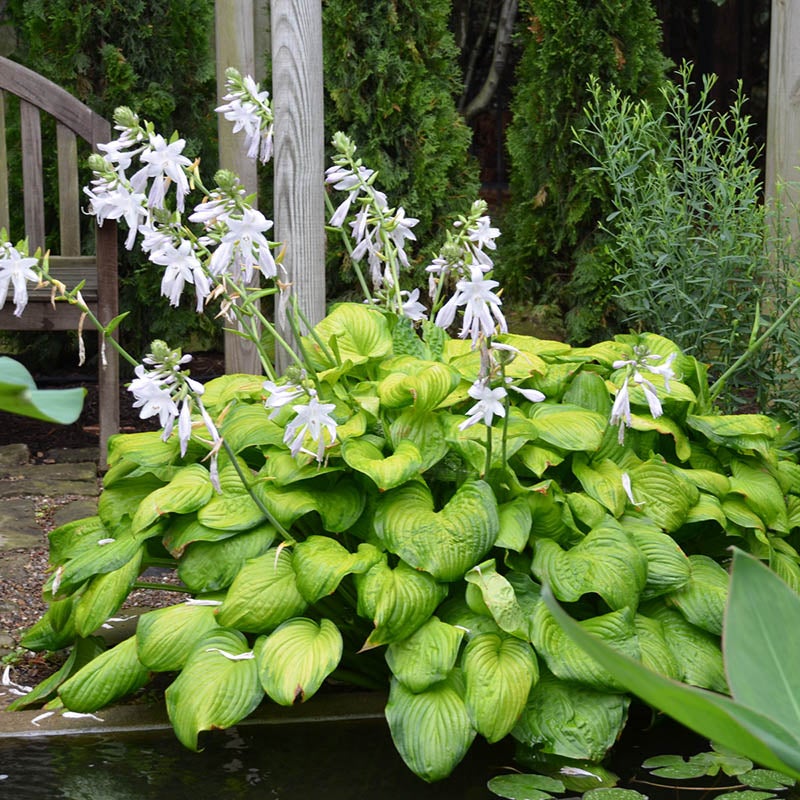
column 32, row 183
column 69, row 192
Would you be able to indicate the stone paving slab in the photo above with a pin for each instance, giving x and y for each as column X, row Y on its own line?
column 18, row 525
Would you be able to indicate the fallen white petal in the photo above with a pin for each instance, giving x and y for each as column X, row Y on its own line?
column 36, row 720
column 578, row 772
column 232, row 656
column 78, row 715
column 194, row 601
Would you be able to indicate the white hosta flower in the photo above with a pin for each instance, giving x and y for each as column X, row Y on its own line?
column 279, row 396
column 185, row 424
column 153, row 397
column 117, row 201
column 248, row 108
column 488, row 406
column 244, row 247
column 16, row 270
column 164, row 164
column 534, row 395
column 412, row 308
column 621, row 410
column 182, row 266
column 399, row 227
column 312, row 421
column 482, row 234
column 626, row 485
column 482, row 315
column 650, row 395
column 664, row 370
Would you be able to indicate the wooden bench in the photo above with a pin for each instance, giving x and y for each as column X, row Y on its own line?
column 73, row 122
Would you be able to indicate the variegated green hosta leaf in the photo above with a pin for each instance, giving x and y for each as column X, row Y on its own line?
column 106, row 556
column 568, row 661
column 405, row 340
column 588, row 390
column 427, row 656
column 470, row 444
column 249, row 425
column 166, row 637
column 55, row 629
column 146, row 449
column 444, row 543
column 663, row 493
column 793, row 509
column 458, row 613
column 762, row 493
column 668, row 567
column 606, row 352
column 569, row 427
column 602, row 481
column 217, row 688
column 736, row 511
column 117, row 505
column 697, row 652
column 788, row 475
column 188, row 491
column 500, row 671
column 295, row 659
column 263, row 594
column 354, row 331
column 185, row 529
column 707, row 507
column 104, row 595
column 111, row 675
column 702, row 600
column 586, row 510
column 339, row 504
column 208, row 566
column 606, row 562
column 320, row 563
column 515, row 524
column 220, row 392
column 283, row 469
column 710, row 481
column 397, row 600
column 70, row 540
column 387, row 472
column 538, row 458
column 785, row 563
column 744, row 433
column 499, row 598
column 668, row 427
column 232, row 510
column 431, row 730
column 426, row 430
column 571, row 720
column 411, row 382
column 549, row 516
column 654, row 649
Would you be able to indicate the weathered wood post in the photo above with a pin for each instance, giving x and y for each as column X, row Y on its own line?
column 783, row 109
column 299, row 152
column 235, row 47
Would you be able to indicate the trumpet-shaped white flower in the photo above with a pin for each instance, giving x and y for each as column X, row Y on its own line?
column 482, row 234
column 313, row 420
column 412, row 308
column 163, row 163
column 244, row 247
column 182, row 266
column 117, row 201
column 621, row 410
column 482, row 315
column 488, row 406
column 152, row 395
column 248, row 108
column 16, row 270
column 279, row 396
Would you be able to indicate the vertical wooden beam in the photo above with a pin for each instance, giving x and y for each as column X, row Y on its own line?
column 4, row 217
column 299, row 152
column 32, row 182
column 235, row 48
column 783, row 109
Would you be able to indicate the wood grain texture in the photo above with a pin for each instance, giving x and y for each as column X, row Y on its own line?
column 299, row 150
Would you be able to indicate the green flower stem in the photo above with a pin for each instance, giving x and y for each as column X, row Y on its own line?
column 314, row 335
column 488, row 467
column 349, row 247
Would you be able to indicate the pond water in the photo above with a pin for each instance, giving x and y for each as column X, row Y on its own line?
column 296, row 762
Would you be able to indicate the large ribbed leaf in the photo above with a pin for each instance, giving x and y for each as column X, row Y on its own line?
column 207, row 566
column 707, row 508
column 427, row 656
column 515, row 524
column 56, row 629
column 103, row 680
column 104, row 595
column 249, row 425
column 117, row 505
column 667, row 426
column 606, row 562
column 444, row 543
column 397, row 600
column 569, row 427
column 697, row 652
column 146, row 449
column 601, row 481
column 663, row 492
column 571, row 720
column 188, row 491
column 166, row 637
column 213, row 690
column 409, row 381
column 431, row 730
column 500, row 671
column 538, row 458
column 668, row 568
column 762, row 493
column 354, row 331
column 71, row 539
column 263, row 594
column 709, row 480
column 653, row 648
column 320, row 563
column 219, row 392
column 746, row 433
column 702, row 599
column 295, row 659
column 386, row 471
column 499, row 597
column 426, row 430
column 568, row 661
column 184, row 530
column 234, row 509
column 283, row 469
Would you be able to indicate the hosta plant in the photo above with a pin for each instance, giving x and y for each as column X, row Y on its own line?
column 387, row 512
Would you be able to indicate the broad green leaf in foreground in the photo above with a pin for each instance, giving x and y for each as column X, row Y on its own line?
column 19, row 395
column 166, row 636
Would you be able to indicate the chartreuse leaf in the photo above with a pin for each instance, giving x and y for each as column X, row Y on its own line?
column 427, row 656
column 539, row 458
column 207, row 566
column 215, row 689
column 320, row 563
column 569, row 427
column 602, row 481
column 295, row 659
column 104, row 595
column 19, row 395
column 188, row 491
column 444, row 543
column 283, row 469
column 356, row 332
column 760, row 641
column 762, row 493
column 232, row 510
column 745, row 433
column 72, row 538
column 221, row 391
column 118, row 504
column 111, row 675
column 431, row 730
column 499, row 672
column 166, row 637
column 568, row 661
column 714, row 716
column 457, row 612
column 398, row 600
column 571, row 720
column 145, row 449
column 654, row 650
column 426, row 430
column 663, row 493
column 56, row 629
column 667, row 426
column 499, row 598
column 249, row 425
column 263, row 594
column 702, row 599
column 409, row 381
column 389, row 471
column 515, row 524
column 668, row 567
column 606, row 562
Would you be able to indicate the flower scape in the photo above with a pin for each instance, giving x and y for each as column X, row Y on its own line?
column 386, row 512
